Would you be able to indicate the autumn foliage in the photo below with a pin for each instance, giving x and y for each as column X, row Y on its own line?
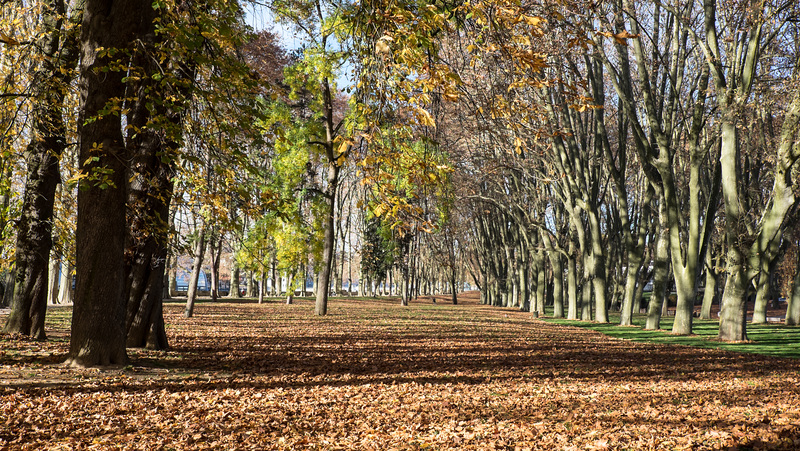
column 374, row 375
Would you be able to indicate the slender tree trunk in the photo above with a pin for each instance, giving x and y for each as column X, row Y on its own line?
column 558, row 285
column 635, row 254
column 173, row 280
column 793, row 303
column 540, row 283
column 65, row 283
column 710, row 291
column 572, row 286
column 215, row 249
column 197, row 267
column 165, row 284
column 262, row 286
column 52, row 279
column 661, row 274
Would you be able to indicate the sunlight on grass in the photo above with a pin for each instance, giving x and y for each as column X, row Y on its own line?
column 766, row 339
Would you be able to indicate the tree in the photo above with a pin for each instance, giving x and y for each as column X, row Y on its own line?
column 58, row 55
column 734, row 64
column 110, row 33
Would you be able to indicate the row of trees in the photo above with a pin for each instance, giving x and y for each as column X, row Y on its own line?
column 563, row 153
column 611, row 143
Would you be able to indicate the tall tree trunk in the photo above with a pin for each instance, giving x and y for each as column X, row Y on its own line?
column 793, row 303
column 558, row 284
column 215, row 249
column 329, row 242
column 710, row 291
column 52, row 279
column 572, row 285
column 762, row 295
column 262, row 286
column 34, row 228
column 197, row 267
column 150, row 191
column 65, row 283
column 234, row 290
column 540, row 283
column 98, row 320
column 658, row 297
column 165, row 287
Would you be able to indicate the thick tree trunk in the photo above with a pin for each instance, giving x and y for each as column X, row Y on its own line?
column 732, row 324
column 762, row 295
column 148, row 214
column 733, row 307
column 144, row 319
column 98, row 321
column 598, row 273
column 234, row 290
column 34, row 228
column 147, row 248
column 250, row 291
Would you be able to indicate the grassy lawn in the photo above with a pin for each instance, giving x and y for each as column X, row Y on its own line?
column 766, row 339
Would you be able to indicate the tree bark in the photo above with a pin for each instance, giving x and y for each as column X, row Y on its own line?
column 191, row 293
column 234, row 290
column 52, row 279
column 34, row 228
column 793, row 303
column 658, row 297
column 65, row 283
column 98, row 321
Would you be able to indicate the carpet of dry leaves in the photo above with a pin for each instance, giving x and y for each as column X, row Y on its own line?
column 375, row 375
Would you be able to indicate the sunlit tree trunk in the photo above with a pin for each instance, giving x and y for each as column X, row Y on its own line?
column 65, row 283
column 52, row 279
column 658, row 297
column 197, row 267
column 234, row 290
column 710, row 291
column 34, row 227
column 793, row 303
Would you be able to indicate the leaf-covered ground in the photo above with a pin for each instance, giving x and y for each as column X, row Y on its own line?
column 375, row 375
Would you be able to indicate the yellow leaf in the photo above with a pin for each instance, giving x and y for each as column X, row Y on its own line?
column 532, row 20
column 6, row 39
column 425, row 118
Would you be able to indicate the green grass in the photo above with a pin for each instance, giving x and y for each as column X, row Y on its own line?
column 775, row 340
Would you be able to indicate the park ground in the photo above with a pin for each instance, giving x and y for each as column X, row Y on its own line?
column 377, row 376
